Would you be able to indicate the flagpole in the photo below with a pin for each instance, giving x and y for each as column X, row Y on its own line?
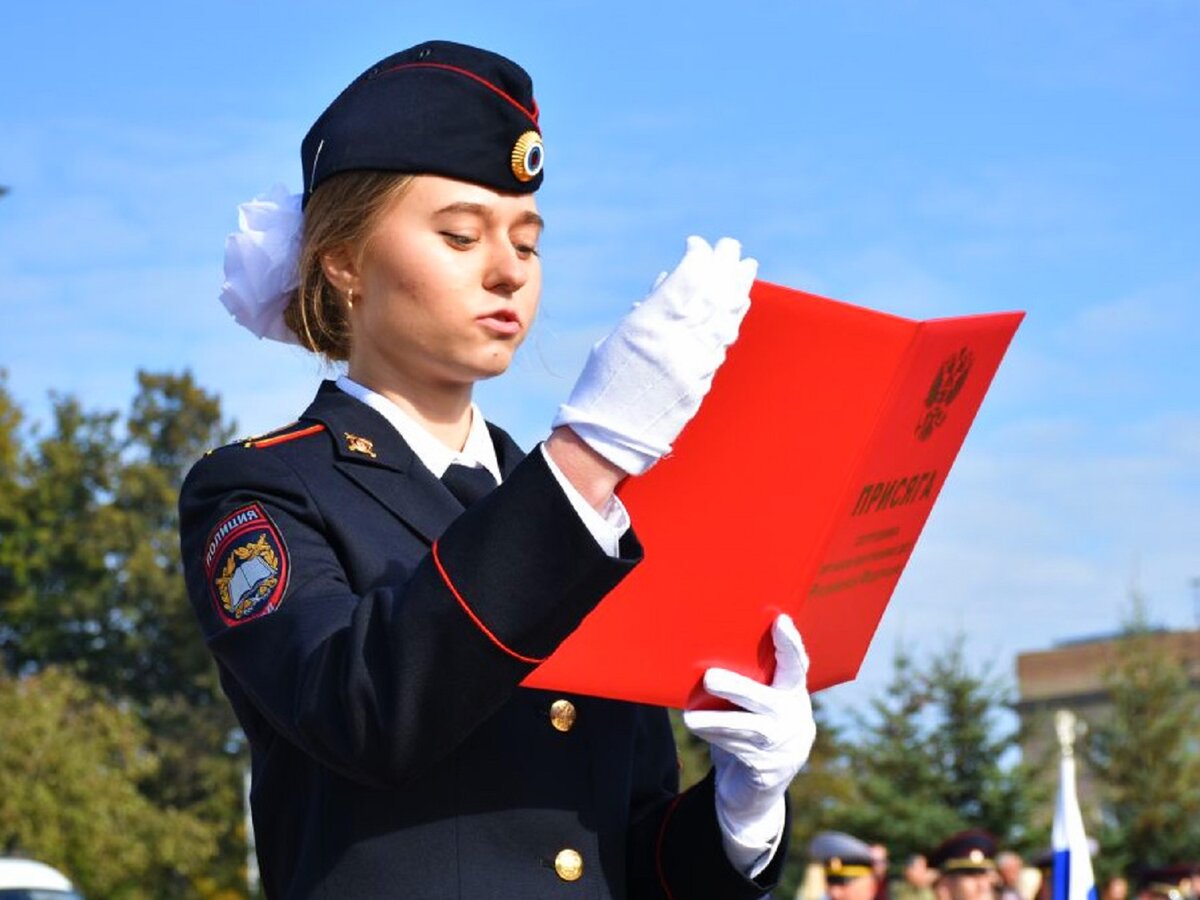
column 1073, row 878
column 1064, row 724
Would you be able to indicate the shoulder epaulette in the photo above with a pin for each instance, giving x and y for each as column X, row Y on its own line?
column 282, row 435
column 276, row 436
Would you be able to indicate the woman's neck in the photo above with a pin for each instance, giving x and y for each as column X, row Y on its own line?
column 444, row 410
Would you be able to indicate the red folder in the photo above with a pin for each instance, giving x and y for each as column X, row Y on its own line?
column 801, row 487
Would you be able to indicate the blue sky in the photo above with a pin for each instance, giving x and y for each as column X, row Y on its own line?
column 926, row 159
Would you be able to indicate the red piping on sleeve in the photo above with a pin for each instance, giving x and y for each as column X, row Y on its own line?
column 662, row 834
column 437, row 561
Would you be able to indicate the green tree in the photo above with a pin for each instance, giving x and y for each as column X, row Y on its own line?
column 91, row 581
column 1146, row 757
column 933, row 755
column 12, row 509
column 92, row 577
column 71, row 766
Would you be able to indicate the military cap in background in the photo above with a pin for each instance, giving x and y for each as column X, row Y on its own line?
column 1162, row 882
column 843, row 856
column 1190, row 879
column 438, row 108
column 969, row 852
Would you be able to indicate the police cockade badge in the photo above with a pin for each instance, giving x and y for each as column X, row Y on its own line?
column 247, row 565
column 528, row 156
column 947, row 383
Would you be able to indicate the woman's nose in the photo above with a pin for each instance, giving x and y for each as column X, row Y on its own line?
column 507, row 270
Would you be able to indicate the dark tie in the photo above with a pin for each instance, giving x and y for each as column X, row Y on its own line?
column 468, row 483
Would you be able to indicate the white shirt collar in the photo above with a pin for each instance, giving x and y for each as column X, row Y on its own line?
column 436, row 456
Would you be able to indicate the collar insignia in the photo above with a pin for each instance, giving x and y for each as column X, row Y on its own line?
column 356, row 444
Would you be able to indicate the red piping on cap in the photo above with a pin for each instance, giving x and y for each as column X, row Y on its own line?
column 531, row 115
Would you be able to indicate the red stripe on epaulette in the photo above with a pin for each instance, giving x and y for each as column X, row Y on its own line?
column 658, row 847
column 283, row 438
column 437, row 561
column 532, row 115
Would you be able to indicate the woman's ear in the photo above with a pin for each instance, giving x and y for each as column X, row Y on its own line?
column 341, row 269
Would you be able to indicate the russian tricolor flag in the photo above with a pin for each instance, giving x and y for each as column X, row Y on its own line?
column 1073, row 879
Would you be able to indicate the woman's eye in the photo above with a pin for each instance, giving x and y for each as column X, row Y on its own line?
column 458, row 240
column 526, row 250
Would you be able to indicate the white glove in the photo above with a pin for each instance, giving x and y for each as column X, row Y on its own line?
column 645, row 380
column 758, row 749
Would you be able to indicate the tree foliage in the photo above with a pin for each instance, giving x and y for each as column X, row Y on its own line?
column 91, row 584
column 1146, row 756
column 71, row 768
column 933, row 755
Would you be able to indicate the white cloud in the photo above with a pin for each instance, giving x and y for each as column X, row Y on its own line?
column 1157, row 310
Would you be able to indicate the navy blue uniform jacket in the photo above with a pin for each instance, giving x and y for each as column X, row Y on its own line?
column 371, row 635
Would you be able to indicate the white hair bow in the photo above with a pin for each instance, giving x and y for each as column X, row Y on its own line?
column 262, row 263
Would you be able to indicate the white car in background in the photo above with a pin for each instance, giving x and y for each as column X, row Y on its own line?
column 24, row 879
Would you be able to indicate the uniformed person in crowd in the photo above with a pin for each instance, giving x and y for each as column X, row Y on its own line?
column 879, row 862
column 373, row 599
column 1043, row 862
column 1008, row 876
column 847, row 864
column 917, row 880
column 1189, row 879
column 1115, row 888
column 966, row 865
column 1161, row 883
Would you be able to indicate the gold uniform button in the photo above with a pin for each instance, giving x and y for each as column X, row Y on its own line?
column 562, row 716
column 569, row 865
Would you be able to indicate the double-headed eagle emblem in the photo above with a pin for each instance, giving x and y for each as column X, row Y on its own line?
column 947, row 383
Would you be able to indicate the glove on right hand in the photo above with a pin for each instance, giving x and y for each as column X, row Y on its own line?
column 644, row 381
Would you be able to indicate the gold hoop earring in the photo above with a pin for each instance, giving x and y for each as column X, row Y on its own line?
column 349, row 299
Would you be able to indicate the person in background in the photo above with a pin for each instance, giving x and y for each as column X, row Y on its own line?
column 1043, row 865
column 1008, row 876
column 1189, row 879
column 847, row 863
column 917, row 880
column 1159, row 883
column 879, row 865
column 966, row 864
column 1116, row 888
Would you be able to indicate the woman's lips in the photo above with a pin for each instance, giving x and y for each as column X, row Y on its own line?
column 501, row 322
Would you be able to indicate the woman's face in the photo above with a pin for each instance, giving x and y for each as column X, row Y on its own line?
column 446, row 288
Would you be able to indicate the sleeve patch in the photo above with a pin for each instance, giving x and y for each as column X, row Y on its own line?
column 246, row 565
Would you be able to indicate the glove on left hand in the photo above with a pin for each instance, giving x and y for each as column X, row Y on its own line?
column 758, row 749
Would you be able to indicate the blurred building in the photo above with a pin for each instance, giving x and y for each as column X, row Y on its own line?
column 1072, row 675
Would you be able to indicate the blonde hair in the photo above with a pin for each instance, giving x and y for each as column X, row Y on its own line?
column 342, row 212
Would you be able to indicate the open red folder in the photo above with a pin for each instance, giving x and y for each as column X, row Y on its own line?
column 801, row 487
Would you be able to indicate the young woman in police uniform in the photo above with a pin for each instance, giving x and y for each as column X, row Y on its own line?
column 373, row 603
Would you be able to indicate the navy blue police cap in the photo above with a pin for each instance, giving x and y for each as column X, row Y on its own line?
column 1162, row 882
column 970, row 852
column 438, row 108
column 1166, row 882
